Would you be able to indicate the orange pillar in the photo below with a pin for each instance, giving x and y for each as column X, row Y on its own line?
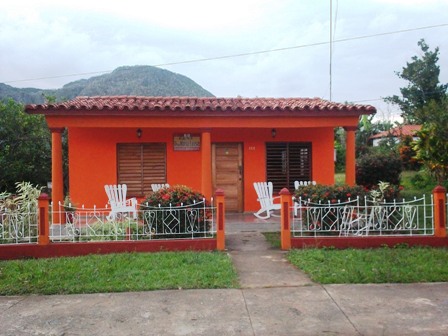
column 285, row 230
column 44, row 232
column 439, row 194
column 350, row 163
column 220, row 216
column 57, row 179
column 206, row 154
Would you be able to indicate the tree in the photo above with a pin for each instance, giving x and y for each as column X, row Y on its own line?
column 422, row 74
column 25, row 147
column 432, row 145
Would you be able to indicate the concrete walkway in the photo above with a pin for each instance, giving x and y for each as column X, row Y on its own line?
column 275, row 299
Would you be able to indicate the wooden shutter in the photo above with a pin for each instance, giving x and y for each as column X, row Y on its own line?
column 288, row 162
column 140, row 165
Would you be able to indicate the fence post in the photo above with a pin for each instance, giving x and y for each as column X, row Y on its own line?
column 43, row 203
column 220, row 215
column 439, row 194
column 285, row 230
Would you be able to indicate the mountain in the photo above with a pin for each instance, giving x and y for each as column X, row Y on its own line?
column 140, row 80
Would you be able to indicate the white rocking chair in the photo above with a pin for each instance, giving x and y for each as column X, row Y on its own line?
column 264, row 192
column 298, row 184
column 118, row 202
column 157, row 186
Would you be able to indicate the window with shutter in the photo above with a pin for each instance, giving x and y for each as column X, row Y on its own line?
column 140, row 165
column 287, row 162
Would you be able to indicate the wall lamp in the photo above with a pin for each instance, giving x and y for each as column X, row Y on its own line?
column 274, row 132
column 139, row 133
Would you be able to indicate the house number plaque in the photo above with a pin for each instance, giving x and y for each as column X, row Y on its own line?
column 187, row 142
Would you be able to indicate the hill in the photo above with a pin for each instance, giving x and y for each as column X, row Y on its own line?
column 141, row 80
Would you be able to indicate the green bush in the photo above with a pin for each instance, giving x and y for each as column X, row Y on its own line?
column 177, row 211
column 373, row 168
column 333, row 194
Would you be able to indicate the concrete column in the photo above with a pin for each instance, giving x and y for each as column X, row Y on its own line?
column 350, row 162
column 206, row 165
column 57, row 177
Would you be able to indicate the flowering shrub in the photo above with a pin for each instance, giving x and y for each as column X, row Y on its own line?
column 177, row 212
column 375, row 167
column 333, row 194
column 174, row 196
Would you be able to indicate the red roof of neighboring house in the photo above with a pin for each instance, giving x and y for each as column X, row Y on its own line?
column 402, row 130
column 106, row 104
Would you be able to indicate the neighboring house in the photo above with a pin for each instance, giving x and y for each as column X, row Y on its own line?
column 395, row 134
column 204, row 143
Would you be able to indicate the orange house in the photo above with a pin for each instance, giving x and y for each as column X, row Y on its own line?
column 204, row 143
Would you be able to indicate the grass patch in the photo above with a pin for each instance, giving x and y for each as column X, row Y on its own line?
column 382, row 265
column 117, row 273
column 273, row 238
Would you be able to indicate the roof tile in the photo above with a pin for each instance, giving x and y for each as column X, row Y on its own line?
column 200, row 104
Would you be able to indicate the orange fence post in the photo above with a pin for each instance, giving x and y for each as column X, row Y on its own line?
column 220, row 215
column 439, row 194
column 285, row 230
column 43, row 217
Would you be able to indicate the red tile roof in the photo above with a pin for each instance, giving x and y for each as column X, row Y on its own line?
column 403, row 130
column 174, row 104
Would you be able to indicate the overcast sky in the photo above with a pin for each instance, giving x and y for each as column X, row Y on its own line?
column 44, row 42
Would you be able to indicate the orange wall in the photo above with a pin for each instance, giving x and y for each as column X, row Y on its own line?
column 254, row 155
column 92, row 157
column 93, row 161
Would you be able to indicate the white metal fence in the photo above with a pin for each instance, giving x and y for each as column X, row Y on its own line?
column 180, row 222
column 18, row 225
column 363, row 217
column 84, row 225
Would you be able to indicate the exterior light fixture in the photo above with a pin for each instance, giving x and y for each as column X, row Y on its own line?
column 139, row 133
column 274, row 132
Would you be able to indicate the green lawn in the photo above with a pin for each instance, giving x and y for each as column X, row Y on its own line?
column 382, row 265
column 117, row 273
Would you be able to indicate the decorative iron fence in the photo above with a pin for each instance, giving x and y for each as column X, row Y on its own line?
column 363, row 217
column 84, row 225
column 180, row 222
column 18, row 225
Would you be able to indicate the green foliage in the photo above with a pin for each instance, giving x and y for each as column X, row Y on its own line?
column 408, row 154
column 367, row 128
column 384, row 191
column 18, row 212
column 372, row 168
column 339, row 145
column 25, row 147
column 125, row 272
column 383, row 265
column 329, row 194
column 432, row 145
column 422, row 75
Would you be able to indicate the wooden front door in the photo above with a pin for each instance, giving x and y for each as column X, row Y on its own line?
column 227, row 169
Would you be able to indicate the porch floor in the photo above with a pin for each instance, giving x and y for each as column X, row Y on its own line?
column 247, row 222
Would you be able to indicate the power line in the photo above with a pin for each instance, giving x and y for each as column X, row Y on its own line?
column 243, row 54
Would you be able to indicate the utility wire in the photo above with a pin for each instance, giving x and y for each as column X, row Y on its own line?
column 243, row 54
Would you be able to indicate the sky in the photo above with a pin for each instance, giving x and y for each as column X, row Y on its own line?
column 247, row 48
